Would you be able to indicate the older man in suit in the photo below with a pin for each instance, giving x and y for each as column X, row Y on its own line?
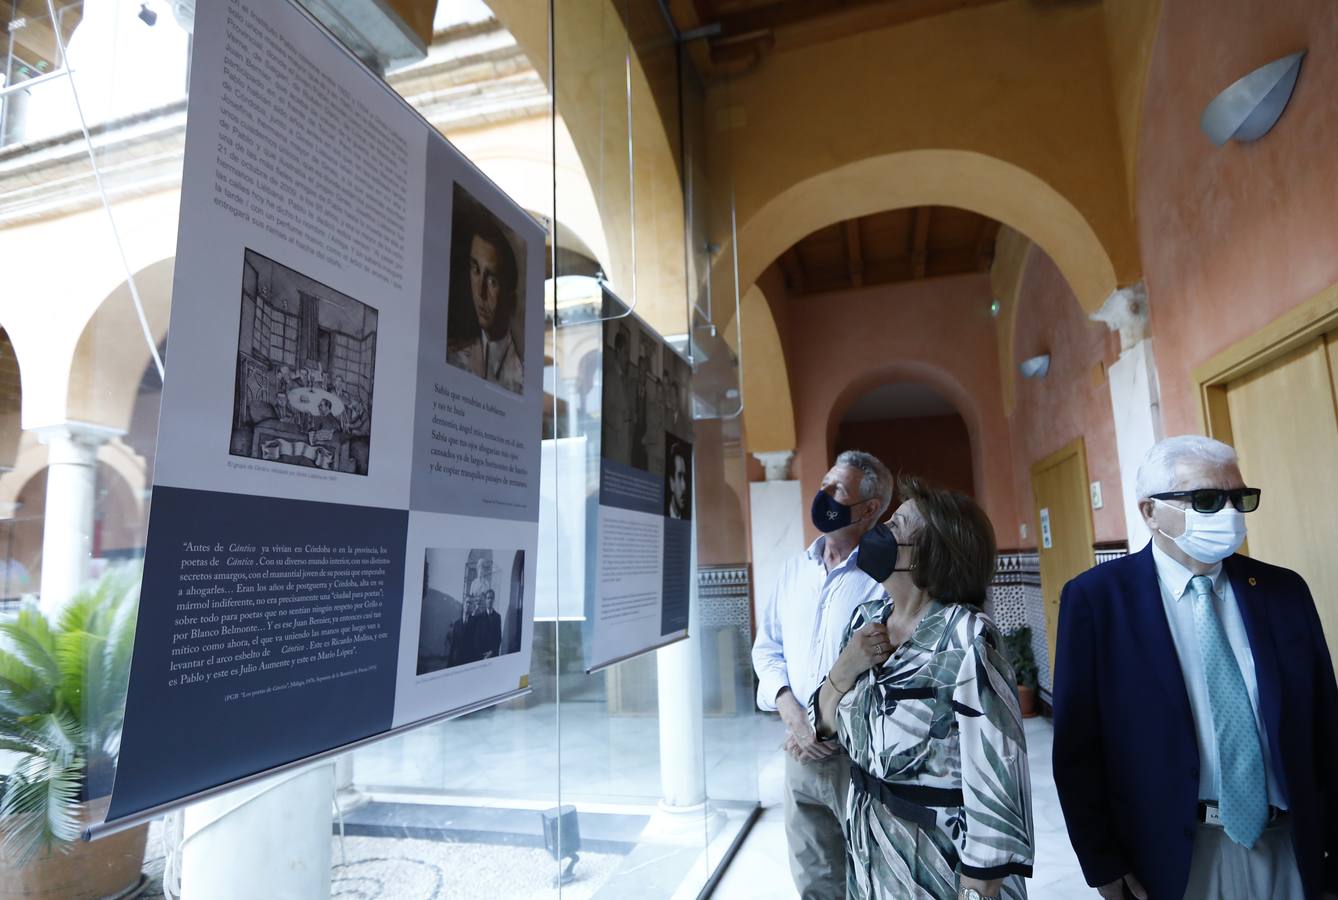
column 1196, row 715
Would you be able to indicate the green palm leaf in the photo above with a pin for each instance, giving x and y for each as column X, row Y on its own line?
column 62, row 702
column 29, row 639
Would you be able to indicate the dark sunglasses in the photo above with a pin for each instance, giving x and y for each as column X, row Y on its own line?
column 1210, row 500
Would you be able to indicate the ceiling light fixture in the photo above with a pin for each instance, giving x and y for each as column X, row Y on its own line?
column 1035, row 367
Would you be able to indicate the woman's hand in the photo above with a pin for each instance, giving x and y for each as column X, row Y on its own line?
column 868, row 647
column 985, row 888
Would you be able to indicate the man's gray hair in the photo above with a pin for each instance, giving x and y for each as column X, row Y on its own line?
column 875, row 479
column 1160, row 471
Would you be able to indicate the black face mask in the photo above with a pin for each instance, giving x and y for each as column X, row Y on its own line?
column 878, row 553
column 828, row 515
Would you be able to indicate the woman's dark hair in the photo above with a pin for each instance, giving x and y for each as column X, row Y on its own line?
column 955, row 549
column 462, row 322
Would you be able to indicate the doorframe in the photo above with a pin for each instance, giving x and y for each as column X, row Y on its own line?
column 1313, row 318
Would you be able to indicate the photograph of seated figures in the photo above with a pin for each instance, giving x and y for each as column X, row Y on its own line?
column 306, row 357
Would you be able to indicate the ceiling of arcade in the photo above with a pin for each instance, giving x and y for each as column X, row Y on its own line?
column 889, row 247
column 1018, row 112
column 738, row 34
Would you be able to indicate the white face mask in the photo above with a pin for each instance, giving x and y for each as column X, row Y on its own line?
column 1210, row 537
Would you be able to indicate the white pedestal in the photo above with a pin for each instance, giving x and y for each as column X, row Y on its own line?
column 777, row 513
column 1136, row 400
column 269, row 839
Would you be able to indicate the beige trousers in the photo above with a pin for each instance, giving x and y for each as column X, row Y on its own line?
column 1221, row 869
column 815, row 805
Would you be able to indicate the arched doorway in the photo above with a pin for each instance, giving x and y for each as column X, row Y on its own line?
column 914, row 430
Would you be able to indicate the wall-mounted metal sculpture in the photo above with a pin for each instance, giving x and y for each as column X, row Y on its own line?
column 1250, row 107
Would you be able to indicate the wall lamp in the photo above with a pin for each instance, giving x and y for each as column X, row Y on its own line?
column 1250, row 107
column 1035, row 367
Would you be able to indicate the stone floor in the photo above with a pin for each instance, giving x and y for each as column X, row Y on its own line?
column 609, row 764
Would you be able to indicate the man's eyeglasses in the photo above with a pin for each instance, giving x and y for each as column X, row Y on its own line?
column 1210, row 500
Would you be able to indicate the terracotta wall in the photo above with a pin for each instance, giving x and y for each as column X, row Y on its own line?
column 1232, row 237
column 1072, row 400
column 936, row 332
column 933, row 447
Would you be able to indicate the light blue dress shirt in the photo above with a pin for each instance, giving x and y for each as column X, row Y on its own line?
column 799, row 627
column 1178, row 601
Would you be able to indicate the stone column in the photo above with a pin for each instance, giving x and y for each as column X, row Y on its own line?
column 679, row 676
column 684, row 813
column 1134, row 396
column 71, row 489
column 267, row 839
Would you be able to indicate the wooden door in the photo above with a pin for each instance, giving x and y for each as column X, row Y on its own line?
column 1284, row 422
column 1063, row 524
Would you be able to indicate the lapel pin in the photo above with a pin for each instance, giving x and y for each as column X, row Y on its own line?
column 1253, row 581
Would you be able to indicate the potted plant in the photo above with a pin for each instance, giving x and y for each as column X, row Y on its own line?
column 63, row 682
column 1017, row 649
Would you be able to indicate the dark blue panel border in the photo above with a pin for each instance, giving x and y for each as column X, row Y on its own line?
column 677, row 576
column 624, row 487
column 183, row 740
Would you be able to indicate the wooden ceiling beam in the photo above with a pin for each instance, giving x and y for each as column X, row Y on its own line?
column 788, row 13
column 920, row 241
column 854, row 253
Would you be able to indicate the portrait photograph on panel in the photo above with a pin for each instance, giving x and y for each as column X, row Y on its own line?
column 485, row 310
column 677, row 478
column 306, row 364
column 473, row 606
column 632, row 405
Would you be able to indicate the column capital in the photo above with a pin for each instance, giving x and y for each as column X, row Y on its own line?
column 1126, row 311
column 75, row 443
column 776, row 463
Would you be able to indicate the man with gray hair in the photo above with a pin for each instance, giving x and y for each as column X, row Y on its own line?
column 1196, row 714
column 799, row 630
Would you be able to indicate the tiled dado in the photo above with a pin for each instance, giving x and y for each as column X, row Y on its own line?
column 722, row 593
column 1015, row 600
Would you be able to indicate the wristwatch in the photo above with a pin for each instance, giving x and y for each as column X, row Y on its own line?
column 970, row 893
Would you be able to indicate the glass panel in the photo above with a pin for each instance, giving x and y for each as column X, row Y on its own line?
column 641, row 759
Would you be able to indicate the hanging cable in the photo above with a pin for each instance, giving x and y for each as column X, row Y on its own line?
column 106, row 202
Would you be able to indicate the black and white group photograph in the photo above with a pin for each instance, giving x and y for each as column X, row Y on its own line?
column 473, row 606
column 485, row 310
column 634, row 391
column 306, row 363
column 646, row 399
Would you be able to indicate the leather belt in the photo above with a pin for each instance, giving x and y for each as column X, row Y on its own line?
column 913, row 802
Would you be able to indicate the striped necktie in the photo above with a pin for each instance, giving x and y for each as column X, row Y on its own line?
column 1243, row 798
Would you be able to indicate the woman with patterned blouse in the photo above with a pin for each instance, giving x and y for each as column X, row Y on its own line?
column 920, row 697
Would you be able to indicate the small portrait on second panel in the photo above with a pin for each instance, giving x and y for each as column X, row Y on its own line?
column 473, row 606
column 677, row 478
column 485, row 310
